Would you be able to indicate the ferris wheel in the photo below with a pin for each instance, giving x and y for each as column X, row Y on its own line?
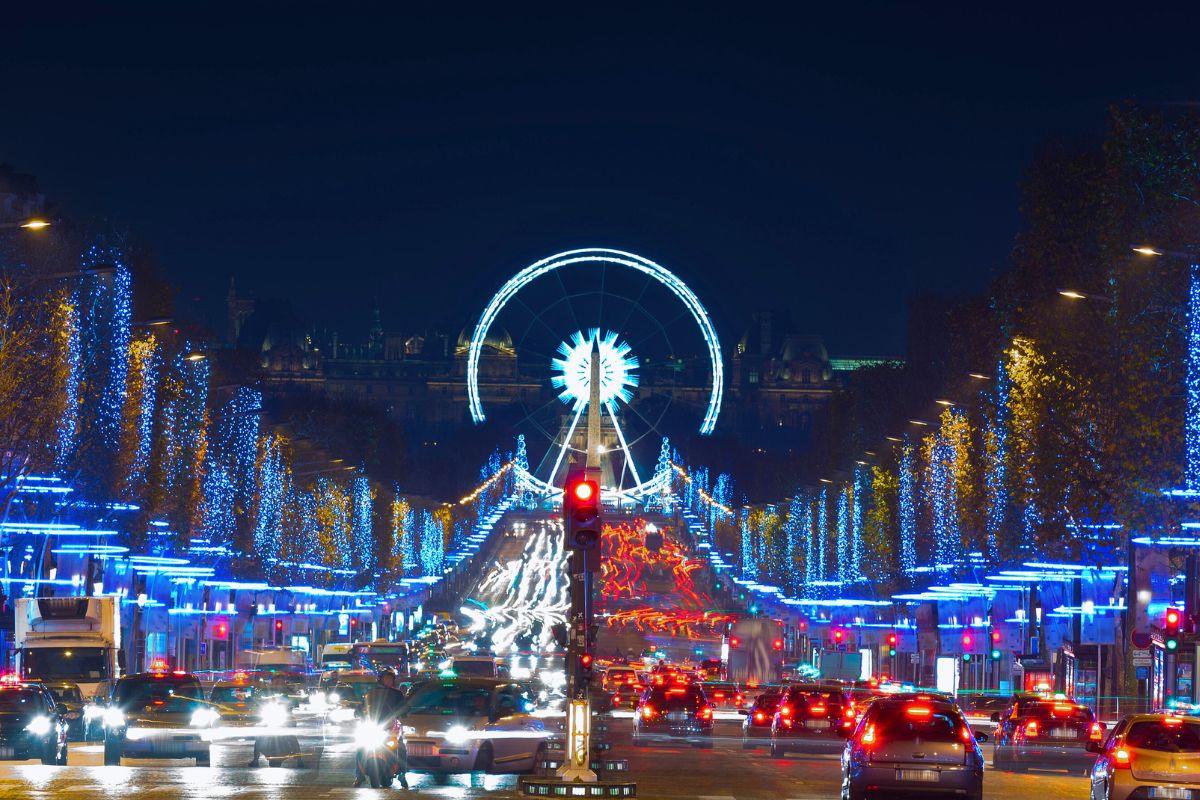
column 653, row 340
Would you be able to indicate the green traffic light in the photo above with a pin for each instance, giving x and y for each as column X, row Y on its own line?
column 996, row 655
column 1172, row 644
column 892, row 652
column 966, row 656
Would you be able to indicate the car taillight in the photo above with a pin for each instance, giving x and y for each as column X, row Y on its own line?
column 1096, row 733
column 759, row 716
column 1121, row 758
column 816, row 711
column 849, row 712
column 785, row 711
column 704, row 713
column 965, row 733
column 1031, row 729
column 868, row 737
column 648, row 711
column 737, row 698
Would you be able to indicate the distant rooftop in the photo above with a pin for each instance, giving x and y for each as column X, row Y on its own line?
column 851, row 364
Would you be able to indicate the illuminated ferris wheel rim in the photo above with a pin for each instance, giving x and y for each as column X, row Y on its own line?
column 600, row 255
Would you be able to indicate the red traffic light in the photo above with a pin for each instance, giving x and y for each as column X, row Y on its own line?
column 777, row 644
column 278, row 624
column 892, row 639
column 585, row 660
column 996, row 636
column 1172, row 617
column 838, row 634
column 584, row 490
column 734, row 641
column 220, row 630
column 968, row 640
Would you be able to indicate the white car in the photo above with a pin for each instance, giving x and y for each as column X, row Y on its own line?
column 472, row 725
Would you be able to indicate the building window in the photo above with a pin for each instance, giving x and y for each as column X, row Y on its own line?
column 754, row 376
column 806, row 376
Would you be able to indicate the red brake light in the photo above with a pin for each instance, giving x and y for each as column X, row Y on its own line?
column 785, row 711
column 1097, row 731
column 704, row 713
column 734, row 641
column 849, row 712
column 1172, row 721
column 1031, row 729
column 1121, row 758
column 777, row 644
column 817, row 710
column 965, row 733
column 648, row 711
column 868, row 736
column 1064, row 708
column 759, row 716
column 918, row 711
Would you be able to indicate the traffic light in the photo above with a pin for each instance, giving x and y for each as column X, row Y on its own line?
column 581, row 512
column 220, row 630
column 892, row 641
column 967, row 640
column 777, row 644
column 1171, row 628
column 278, row 625
column 839, row 636
column 996, row 654
column 584, row 676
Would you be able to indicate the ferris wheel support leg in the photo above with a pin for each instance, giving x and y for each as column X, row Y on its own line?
column 566, row 441
column 624, row 447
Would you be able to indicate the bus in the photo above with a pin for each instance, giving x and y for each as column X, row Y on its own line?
column 381, row 653
column 755, row 651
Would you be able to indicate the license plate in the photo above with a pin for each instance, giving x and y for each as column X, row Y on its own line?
column 817, row 724
column 1062, row 733
column 420, row 750
column 926, row 775
column 1170, row 792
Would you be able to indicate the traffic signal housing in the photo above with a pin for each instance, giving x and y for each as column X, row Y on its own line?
column 1171, row 622
column 581, row 512
column 892, row 641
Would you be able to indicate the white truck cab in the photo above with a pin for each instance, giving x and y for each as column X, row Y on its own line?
column 75, row 639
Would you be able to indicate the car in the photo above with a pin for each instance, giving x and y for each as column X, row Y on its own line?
column 476, row 667
column 70, row 701
column 31, row 723
column 470, row 725
column 756, row 726
column 620, row 676
column 626, row 695
column 723, row 695
column 674, row 712
column 1006, row 720
column 1148, row 755
column 247, row 702
column 1049, row 734
column 159, row 714
column 345, row 696
column 983, row 710
column 913, row 747
column 810, row 717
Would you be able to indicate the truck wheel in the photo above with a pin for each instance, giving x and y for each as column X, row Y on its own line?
column 112, row 751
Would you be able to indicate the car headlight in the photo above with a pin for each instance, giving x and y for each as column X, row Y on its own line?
column 274, row 715
column 369, row 735
column 91, row 711
column 114, row 718
column 204, row 717
column 39, row 726
column 334, row 697
column 457, row 735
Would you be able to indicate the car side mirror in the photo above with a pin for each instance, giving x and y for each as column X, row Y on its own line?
column 995, row 717
column 1094, row 747
column 745, row 712
column 981, row 737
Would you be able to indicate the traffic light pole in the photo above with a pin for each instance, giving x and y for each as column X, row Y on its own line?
column 577, row 766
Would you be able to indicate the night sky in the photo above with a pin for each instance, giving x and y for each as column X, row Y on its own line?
column 828, row 162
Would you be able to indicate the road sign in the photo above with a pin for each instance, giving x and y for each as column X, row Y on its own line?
column 1141, row 658
column 1141, row 673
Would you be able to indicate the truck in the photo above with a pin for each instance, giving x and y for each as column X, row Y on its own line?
column 76, row 639
column 755, row 648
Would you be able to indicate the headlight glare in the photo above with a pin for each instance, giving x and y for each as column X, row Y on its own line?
column 39, row 726
column 369, row 735
column 274, row 715
column 114, row 718
column 204, row 717
column 457, row 735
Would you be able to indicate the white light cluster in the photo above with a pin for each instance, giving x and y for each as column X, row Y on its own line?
column 574, row 376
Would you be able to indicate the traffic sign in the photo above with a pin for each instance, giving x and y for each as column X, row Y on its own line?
column 1141, row 658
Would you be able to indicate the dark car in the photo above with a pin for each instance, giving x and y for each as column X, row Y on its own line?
column 915, row 747
column 723, row 694
column 673, row 713
column 626, row 695
column 70, row 703
column 159, row 714
column 759, row 716
column 1048, row 734
column 31, row 724
column 811, row 717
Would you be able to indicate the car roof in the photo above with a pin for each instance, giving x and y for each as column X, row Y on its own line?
column 161, row 676
column 1154, row 716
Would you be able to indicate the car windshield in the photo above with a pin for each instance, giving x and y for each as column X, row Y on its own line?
column 357, row 688
column 906, row 721
column 232, row 694
column 451, row 700
column 70, row 663
column 1181, row 738
column 814, row 696
column 22, row 700
column 475, row 669
column 1061, row 713
column 678, row 697
column 67, row 694
column 159, row 694
column 767, row 702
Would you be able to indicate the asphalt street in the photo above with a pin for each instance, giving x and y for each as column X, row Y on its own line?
column 661, row 771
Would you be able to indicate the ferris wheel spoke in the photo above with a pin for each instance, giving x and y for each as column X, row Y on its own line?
column 567, row 297
column 600, row 310
column 624, row 446
column 566, row 442
column 535, row 316
column 636, row 304
column 662, row 328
